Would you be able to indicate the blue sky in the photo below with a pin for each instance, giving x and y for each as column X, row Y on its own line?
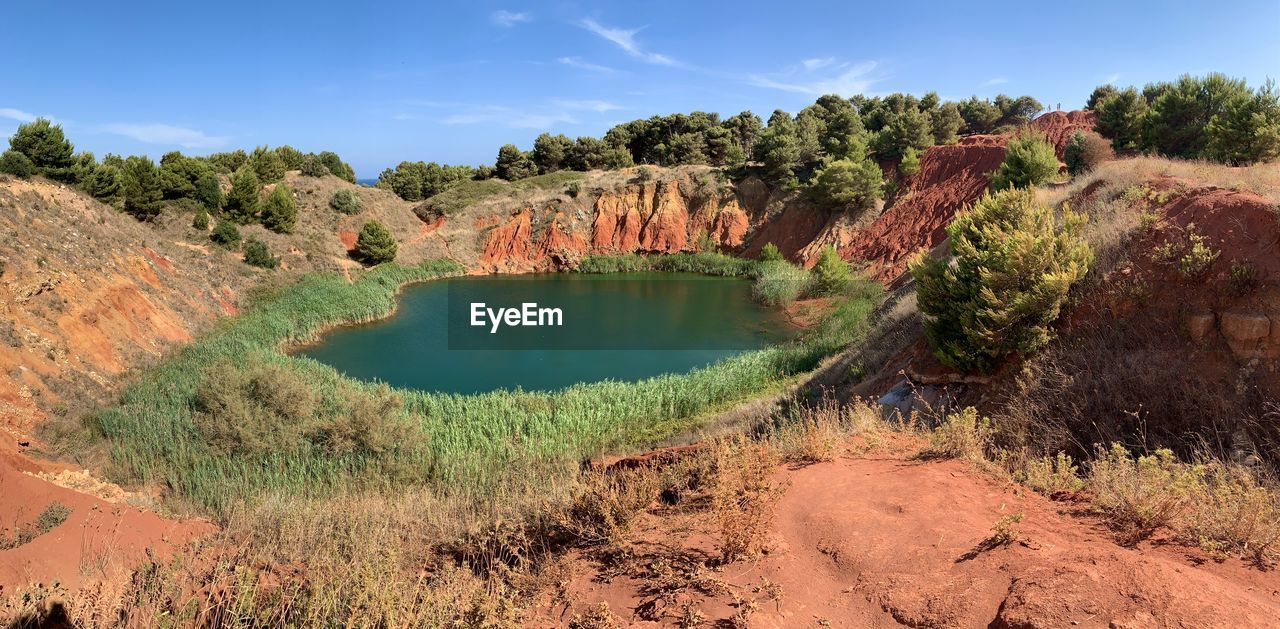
column 452, row 82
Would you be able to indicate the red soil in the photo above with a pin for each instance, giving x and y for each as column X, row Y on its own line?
column 885, row 540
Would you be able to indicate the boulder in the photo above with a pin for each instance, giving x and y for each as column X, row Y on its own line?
column 1245, row 326
column 1200, row 325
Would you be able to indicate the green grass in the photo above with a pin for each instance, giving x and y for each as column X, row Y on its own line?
column 473, row 444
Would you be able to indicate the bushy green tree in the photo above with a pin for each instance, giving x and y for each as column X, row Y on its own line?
column 779, row 149
column 1099, row 94
column 1029, row 161
column 946, row 122
column 311, row 167
column 17, row 164
column 140, row 187
column 279, row 210
column 852, row 184
column 257, row 254
column 770, row 253
column 180, row 174
column 1176, row 124
column 201, row 220
column 1017, row 111
column 830, row 274
column 1014, row 264
column 910, row 163
column 905, row 128
column 228, row 162
column 375, row 244
column 208, row 192
column 512, row 164
column 1120, row 118
column 104, row 182
column 226, row 234
column 980, row 115
column 1084, row 151
column 1247, row 130
column 844, row 136
column 45, row 145
column 267, row 164
column 242, row 201
column 335, row 165
column 291, row 157
column 549, row 152
column 345, row 201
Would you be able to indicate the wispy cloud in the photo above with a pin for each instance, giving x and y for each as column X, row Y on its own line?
column 845, row 79
column 509, row 117
column 598, row 106
column 626, row 40
column 1111, row 80
column 996, row 81
column 577, row 62
column 165, row 134
column 16, row 114
column 507, row 19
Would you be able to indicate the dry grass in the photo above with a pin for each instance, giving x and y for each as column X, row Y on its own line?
column 962, row 435
column 743, row 493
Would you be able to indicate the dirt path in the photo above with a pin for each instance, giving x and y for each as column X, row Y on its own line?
column 885, row 540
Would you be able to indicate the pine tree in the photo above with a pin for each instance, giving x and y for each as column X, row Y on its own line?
column 242, row 201
column 140, row 187
column 209, row 192
column 1029, row 161
column 44, row 144
column 830, row 274
column 279, row 210
column 375, row 244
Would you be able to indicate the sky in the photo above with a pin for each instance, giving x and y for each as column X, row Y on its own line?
column 451, row 82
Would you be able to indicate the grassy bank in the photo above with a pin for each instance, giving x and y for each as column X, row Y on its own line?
column 232, row 417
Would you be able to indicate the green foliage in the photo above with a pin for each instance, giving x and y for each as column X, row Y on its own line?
column 414, row 181
column 226, row 234
column 229, row 162
column 208, row 192
column 17, row 164
column 466, row 193
column 946, row 123
column 345, row 201
column 1084, row 151
column 291, row 158
column 45, row 145
column 853, row 184
column 140, row 187
column 279, row 210
column 267, row 165
column 779, row 282
column 103, row 182
column 179, row 175
column 1176, row 125
column 375, row 244
column 549, row 152
column 1014, row 265
column 512, row 164
column 770, row 253
column 242, row 201
column 1099, row 94
column 910, row 163
column 311, row 167
column 256, row 254
column 201, row 220
column 830, row 275
column 335, row 165
column 1029, row 161
column 779, row 149
column 980, row 115
column 905, row 127
column 1247, row 130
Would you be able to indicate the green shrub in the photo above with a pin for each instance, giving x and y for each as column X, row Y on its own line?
column 910, row 163
column 1243, row 279
column 770, row 253
column 962, row 435
column 335, row 165
column 830, row 274
column 375, row 244
column 103, row 182
column 345, row 201
column 242, row 201
column 1247, row 130
column 779, row 282
column 1119, row 118
column 279, row 210
column 226, row 234
column 1085, row 151
column 209, row 192
column 625, row 263
column 140, row 187
column 852, row 184
column 201, row 220
column 267, row 165
column 44, row 144
column 17, row 164
column 256, row 254
column 256, row 408
column 1029, row 161
column 1015, row 264
column 311, row 167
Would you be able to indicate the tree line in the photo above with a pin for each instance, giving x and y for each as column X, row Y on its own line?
column 1213, row 117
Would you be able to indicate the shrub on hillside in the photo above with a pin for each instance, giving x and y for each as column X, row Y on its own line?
column 1085, row 151
column 267, row 165
column 103, row 182
column 209, row 192
column 910, row 163
column 256, row 254
column 1029, row 161
column 311, row 167
column 279, row 210
column 1015, row 263
column 852, row 184
column 375, row 244
column 242, row 201
column 345, row 201
column 770, row 253
column 335, row 165
column 201, row 220
column 830, row 274
column 226, row 234
column 257, row 408
column 17, row 164
column 140, row 187
column 1247, row 131
column 44, row 144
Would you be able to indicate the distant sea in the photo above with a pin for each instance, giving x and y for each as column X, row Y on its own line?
column 367, row 182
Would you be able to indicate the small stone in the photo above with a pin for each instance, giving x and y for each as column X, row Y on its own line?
column 1245, row 326
column 1199, row 325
